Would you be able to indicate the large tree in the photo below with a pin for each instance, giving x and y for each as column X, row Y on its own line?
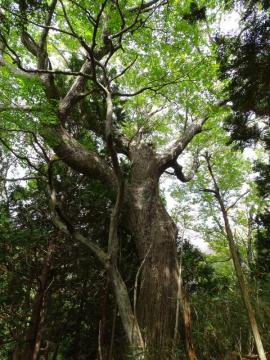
column 99, row 82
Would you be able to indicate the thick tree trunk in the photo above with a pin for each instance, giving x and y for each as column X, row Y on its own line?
column 155, row 236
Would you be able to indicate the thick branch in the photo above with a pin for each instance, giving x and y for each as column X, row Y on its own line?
column 66, row 147
column 79, row 159
column 96, row 250
column 79, row 85
column 180, row 145
column 178, row 171
column 75, row 91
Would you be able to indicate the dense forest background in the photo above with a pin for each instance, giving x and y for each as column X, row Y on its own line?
column 134, row 179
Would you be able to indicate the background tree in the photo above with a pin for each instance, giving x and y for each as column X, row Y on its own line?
column 233, row 173
column 244, row 62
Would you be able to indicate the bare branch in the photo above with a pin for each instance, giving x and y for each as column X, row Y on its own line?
column 124, row 70
column 74, row 155
column 50, row 72
column 21, row 157
column 236, row 201
column 155, row 88
column 145, row 6
column 26, row 178
column 209, row 191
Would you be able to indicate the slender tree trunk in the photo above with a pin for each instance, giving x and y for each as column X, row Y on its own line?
column 110, row 355
column 190, row 351
column 76, row 346
column 243, row 287
column 33, row 336
column 103, row 342
column 238, row 268
column 184, row 304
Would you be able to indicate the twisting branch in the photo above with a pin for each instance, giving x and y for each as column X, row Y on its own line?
column 180, row 145
column 183, row 141
column 178, row 170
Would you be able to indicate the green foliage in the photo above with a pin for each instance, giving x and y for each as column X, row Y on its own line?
column 244, row 61
column 174, row 75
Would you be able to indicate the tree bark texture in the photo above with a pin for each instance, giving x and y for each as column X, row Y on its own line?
column 155, row 237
